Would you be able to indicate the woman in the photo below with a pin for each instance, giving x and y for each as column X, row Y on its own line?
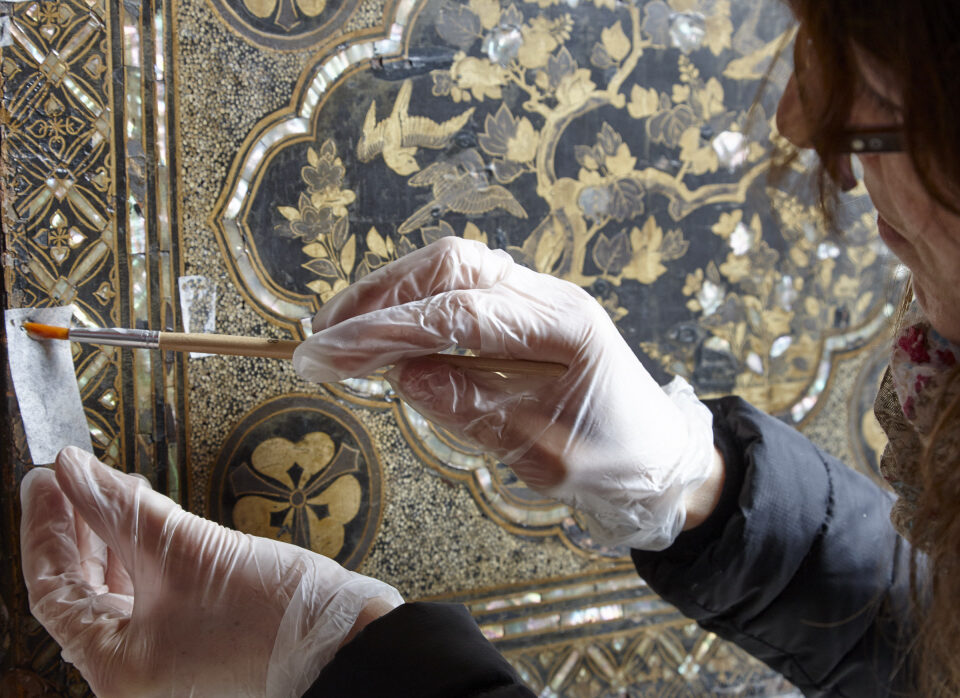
column 734, row 517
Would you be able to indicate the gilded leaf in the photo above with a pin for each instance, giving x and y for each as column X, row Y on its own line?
column 622, row 162
column 376, row 244
column 488, row 11
column 320, row 287
column 458, row 25
column 737, row 267
column 405, row 247
column 549, row 248
column 348, row 256
column 615, row 42
column 483, row 78
column 584, row 155
column 627, row 199
column 312, row 157
column 289, row 212
column 538, row 44
column 328, row 151
column 719, row 29
column 674, row 246
column 323, row 268
column 611, row 254
column 670, row 123
column 574, row 89
column 645, row 264
column 364, row 268
column 727, row 223
column 315, row 249
column 340, row 228
column 560, row 66
column 498, row 129
column 522, row 146
column 608, row 139
column 600, row 58
column 698, row 158
column 713, row 274
column 643, row 102
column 693, row 282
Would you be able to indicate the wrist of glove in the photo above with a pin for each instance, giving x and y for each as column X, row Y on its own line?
column 320, row 615
column 642, row 505
column 147, row 599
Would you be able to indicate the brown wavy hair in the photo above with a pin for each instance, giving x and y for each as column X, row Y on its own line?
column 918, row 42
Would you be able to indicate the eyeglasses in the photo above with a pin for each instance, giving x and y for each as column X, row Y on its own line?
column 886, row 140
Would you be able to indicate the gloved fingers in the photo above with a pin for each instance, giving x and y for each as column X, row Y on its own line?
column 128, row 516
column 492, row 322
column 62, row 594
column 94, row 555
column 48, row 535
column 117, row 578
column 445, row 265
column 502, row 415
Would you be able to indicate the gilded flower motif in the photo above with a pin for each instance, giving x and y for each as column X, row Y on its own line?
column 507, row 137
column 314, row 223
column 303, row 493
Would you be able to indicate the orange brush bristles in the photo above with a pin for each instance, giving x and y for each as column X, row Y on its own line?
column 38, row 331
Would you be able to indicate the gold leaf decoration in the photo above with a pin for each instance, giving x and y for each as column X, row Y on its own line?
column 615, row 42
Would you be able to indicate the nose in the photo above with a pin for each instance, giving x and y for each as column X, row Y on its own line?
column 791, row 121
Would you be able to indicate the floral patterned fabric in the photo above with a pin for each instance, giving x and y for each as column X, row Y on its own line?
column 912, row 393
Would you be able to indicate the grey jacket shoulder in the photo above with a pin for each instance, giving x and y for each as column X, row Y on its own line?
column 799, row 564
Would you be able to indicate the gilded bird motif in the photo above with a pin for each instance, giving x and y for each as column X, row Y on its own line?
column 399, row 135
column 460, row 183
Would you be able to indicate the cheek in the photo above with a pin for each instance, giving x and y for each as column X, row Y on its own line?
column 896, row 190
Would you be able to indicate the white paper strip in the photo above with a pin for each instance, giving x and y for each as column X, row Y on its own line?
column 45, row 384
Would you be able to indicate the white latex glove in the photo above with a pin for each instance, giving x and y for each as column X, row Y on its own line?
column 603, row 438
column 149, row 600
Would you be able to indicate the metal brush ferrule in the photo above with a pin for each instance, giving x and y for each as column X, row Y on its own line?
column 117, row 337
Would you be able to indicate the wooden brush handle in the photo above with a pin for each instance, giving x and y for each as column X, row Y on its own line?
column 283, row 349
column 228, row 344
column 515, row 366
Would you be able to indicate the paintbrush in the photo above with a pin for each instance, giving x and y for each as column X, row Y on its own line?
column 256, row 346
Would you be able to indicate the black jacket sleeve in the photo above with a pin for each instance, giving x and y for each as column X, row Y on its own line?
column 420, row 650
column 799, row 564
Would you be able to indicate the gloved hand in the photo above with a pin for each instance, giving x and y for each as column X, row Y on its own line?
column 603, row 438
column 148, row 600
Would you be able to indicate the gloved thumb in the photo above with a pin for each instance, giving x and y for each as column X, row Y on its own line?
column 119, row 508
